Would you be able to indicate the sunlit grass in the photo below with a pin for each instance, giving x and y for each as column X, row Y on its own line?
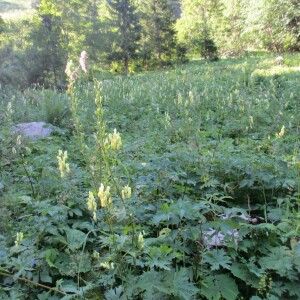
column 15, row 9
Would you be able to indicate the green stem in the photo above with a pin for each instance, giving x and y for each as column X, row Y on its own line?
column 34, row 283
column 83, row 248
column 28, row 176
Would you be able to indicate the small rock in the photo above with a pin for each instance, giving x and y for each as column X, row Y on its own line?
column 33, row 130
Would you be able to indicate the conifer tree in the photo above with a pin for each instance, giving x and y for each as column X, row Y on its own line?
column 159, row 33
column 126, row 31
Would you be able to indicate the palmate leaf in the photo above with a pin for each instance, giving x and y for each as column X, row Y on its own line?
column 209, row 290
column 114, row 294
column 227, row 286
column 75, row 238
column 50, row 255
column 242, row 272
column 217, row 258
column 278, row 260
column 217, row 286
column 165, row 283
column 160, row 257
column 151, row 283
column 183, row 288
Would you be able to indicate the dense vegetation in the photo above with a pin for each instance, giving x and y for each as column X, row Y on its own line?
column 181, row 182
column 129, row 36
column 199, row 142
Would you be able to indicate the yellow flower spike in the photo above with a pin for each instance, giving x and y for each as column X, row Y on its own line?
column 19, row 140
column 68, row 168
column 92, row 205
column 191, row 96
column 101, row 191
column 126, row 192
column 94, row 216
column 62, row 165
column 141, row 241
column 104, row 195
column 282, row 132
column 19, row 239
column 179, row 100
column 65, row 157
column 115, row 140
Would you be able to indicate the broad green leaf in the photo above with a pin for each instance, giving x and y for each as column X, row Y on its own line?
column 217, row 258
column 242, row 272
column 114, row 294
column 152, row 282
column 45, row 277
column 278, row 260
column 84, row 263
column 183, row 287
column 50, row 257
column 209, row 290
column 75, row 238
column 227, row 286
column 66, row 265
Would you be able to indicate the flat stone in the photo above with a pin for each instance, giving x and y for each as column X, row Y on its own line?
column 34, row 130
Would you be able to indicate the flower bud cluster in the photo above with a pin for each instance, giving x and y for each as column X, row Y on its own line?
column 114, row 140
column 281, row 133
column 83, row 61
column 19, row 239
column 191, row 97
column 72, row 71
column 62, row 165
column 104, row 195
column 92, row 205
column 141, row 241
column 126, row 192
column 265, row 285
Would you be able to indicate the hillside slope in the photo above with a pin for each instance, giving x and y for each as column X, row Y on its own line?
column 15, row 8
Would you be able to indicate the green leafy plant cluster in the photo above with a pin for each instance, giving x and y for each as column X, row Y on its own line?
column 174, row 184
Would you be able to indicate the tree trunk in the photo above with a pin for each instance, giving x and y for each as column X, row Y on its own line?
column 126, row 65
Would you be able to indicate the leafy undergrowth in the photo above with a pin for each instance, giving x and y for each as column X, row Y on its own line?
column 195, row 195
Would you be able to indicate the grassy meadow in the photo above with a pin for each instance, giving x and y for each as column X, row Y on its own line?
column 13, row 9
column 200, row 185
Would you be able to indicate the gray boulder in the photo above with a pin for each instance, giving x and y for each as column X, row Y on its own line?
column 34, row 130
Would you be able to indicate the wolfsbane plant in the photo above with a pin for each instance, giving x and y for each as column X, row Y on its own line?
column 182, row 177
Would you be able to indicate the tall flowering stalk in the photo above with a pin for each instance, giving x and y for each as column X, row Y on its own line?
column 101, row 155
column 72, row 71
